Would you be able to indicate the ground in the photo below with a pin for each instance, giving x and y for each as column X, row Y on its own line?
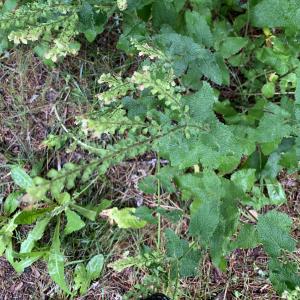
column 29, row 93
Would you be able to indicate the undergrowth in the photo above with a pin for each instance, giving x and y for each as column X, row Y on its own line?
column 210, row 91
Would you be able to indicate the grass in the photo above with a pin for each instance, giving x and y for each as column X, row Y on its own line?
column 29, row 92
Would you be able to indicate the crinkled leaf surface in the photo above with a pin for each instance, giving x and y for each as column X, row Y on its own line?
column 273, row 231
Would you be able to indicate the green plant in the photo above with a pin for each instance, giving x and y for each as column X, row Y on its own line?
column 224, row 155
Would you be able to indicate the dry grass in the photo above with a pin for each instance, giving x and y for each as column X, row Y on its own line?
column 28, row 92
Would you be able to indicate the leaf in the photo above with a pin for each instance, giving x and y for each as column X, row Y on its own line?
column 275, row 191
column 125, row 217
column 187, row 259
column 104, row 204
column 122, row 4
column 272, row 167
column 244, row 178
column 297, row 101
column 90, row 35
column 21, row 265
column 175, row 246
column 247, row 238
column 74, row 222
column 124, row 263
column 205, row 220
column 34, row 235
column 201, row 104
column 95, row 266
column 189, row 264
column 9, row 5
column 284, row 275
column 63, row 198
column 12, row 202
column 30, row 216
column 148, row 185
column 276, row 13
column 210, row 148
column 273, row 126
column 145, row 213
column 88, row 213
column 232, row 45
column 21, row 178
column 273, row 231
column 6, row 233
column 184, row 53
column 198, row 28
column 173, row 216
column 81, row 281
column 56, row 262
column 268, row 89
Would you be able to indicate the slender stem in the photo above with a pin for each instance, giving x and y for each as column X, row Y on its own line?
column 158, row 203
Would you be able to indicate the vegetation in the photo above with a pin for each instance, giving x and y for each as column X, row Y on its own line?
column 214, row 98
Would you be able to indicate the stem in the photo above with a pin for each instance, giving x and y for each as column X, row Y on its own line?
column 158, row 203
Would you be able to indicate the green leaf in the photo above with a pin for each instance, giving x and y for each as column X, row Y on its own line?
column 6, row 233
column 9, row 5
column 81, row 280
column 95, row 266
column 184, row 53
column 273, row 231
column 276, row 13
column 88, row 213
column 297, row 101
column 232, row 45
column 12, row 202
column 104, row 204
column 273, row 125
column 90, row 35
column 74, row 222
column 125, row 218
column 186, row 259
column 34, row 235
column 198, row 28
column 22, row 264
column 145, row 213
column 21, row 178
column 205, row 220
column 275, row 191
column 175, row 246
column 173, row 216
column 56, row 262
column 268, row 89
column 284, row 275
column 148, row 185
column 244, row 178
column 189, row 264
column 63, row 198
column 247, row 238
column 124, row 263
column 201, row 104
column 272, row 167
column 30, row 216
